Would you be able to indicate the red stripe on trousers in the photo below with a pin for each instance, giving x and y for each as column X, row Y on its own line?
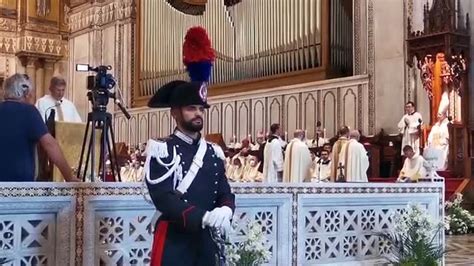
column 159, row 243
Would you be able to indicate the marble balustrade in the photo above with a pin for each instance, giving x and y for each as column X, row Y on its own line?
column 110, row 223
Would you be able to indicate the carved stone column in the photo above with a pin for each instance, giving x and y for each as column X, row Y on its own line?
column 30, row 65
column 39, row 84
column 48, row 73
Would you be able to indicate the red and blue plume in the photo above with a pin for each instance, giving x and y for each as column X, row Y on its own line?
column 198, row 55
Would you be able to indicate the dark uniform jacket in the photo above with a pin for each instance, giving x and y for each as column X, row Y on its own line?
column 179, row 236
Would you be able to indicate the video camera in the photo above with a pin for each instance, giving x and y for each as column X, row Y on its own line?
column 100, row 88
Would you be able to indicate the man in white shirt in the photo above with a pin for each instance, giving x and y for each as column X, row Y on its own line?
column 408, row 127
column 64, row 109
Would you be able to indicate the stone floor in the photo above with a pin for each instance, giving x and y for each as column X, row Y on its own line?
column 460, row 250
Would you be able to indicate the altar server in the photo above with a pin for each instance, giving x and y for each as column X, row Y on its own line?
column 273, row 156
column 322, row 171
column 413, row 167
column 297, row 159
column 408, row 127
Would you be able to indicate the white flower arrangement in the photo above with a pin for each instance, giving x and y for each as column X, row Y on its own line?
column 457, row 221
column 252, row 250
column 412, row 237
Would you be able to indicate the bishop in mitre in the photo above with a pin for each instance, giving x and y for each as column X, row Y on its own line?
column 353, row 157
column 297, row 159
column 336, row 150
column 408, row 127
column 439, row 139
column 413, row 167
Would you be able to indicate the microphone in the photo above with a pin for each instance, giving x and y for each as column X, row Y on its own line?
column 58, row 103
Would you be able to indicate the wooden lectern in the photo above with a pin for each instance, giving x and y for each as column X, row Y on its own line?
column 69, row 137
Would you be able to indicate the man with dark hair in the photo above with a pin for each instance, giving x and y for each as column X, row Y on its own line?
column 186, row 179
column 323, row 168
column 64, row 109
column 413, row 167
column 273, row 156
column 409, row 126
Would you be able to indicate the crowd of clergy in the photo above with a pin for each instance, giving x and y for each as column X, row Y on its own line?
column 273, row 158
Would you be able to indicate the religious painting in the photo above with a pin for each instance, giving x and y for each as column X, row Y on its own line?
column 44, row 10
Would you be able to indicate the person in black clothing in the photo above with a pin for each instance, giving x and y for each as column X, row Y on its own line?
column 186, row 179
column 22, row 129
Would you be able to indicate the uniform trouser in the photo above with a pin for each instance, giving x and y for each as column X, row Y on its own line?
column 175, row 247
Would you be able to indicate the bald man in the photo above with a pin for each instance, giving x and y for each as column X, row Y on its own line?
column 354, row 159
column 297, row 159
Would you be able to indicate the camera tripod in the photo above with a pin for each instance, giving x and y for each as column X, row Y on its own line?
column 99, row 120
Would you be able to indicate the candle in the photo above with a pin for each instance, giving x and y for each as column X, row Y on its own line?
column 235, row 139
column 286, row 136
column 305, row 133
column 324, row 133
column 250, row 138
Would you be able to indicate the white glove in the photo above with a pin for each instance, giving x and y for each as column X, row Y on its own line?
column 218, row 218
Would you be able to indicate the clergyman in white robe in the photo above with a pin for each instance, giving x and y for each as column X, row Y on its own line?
column 65, row 109
column 439, row 139
column 273, row 159
column 297, row 159
column 408, row 127
column 354, row 159
column 413, row 169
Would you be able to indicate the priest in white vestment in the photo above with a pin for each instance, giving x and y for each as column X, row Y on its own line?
column 408, row 127
column 354, row 159
column 413, row 167
column 297, row 159
column 64, row 109
column 273, row 156
column 439, row 139
column 323, row 168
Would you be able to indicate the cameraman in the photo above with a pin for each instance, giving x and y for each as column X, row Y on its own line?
column 22, row 129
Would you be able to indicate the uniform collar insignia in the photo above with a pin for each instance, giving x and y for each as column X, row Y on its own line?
column 185, row 137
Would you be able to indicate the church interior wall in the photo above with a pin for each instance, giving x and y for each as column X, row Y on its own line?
column 389, row 39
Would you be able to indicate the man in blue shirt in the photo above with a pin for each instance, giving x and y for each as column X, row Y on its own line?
column 22, row 129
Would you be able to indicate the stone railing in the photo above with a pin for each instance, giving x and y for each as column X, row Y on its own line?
column 110, row 223
column 334, row 102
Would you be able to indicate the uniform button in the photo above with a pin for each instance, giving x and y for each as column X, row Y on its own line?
column 186, row 200
column 213, row 156
column 216, row 174
column 185, row 172
column 177, row 146
column 215, row 164
column 216, row 183
column 180, row 154
column 213, row 201
column 215, row 191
